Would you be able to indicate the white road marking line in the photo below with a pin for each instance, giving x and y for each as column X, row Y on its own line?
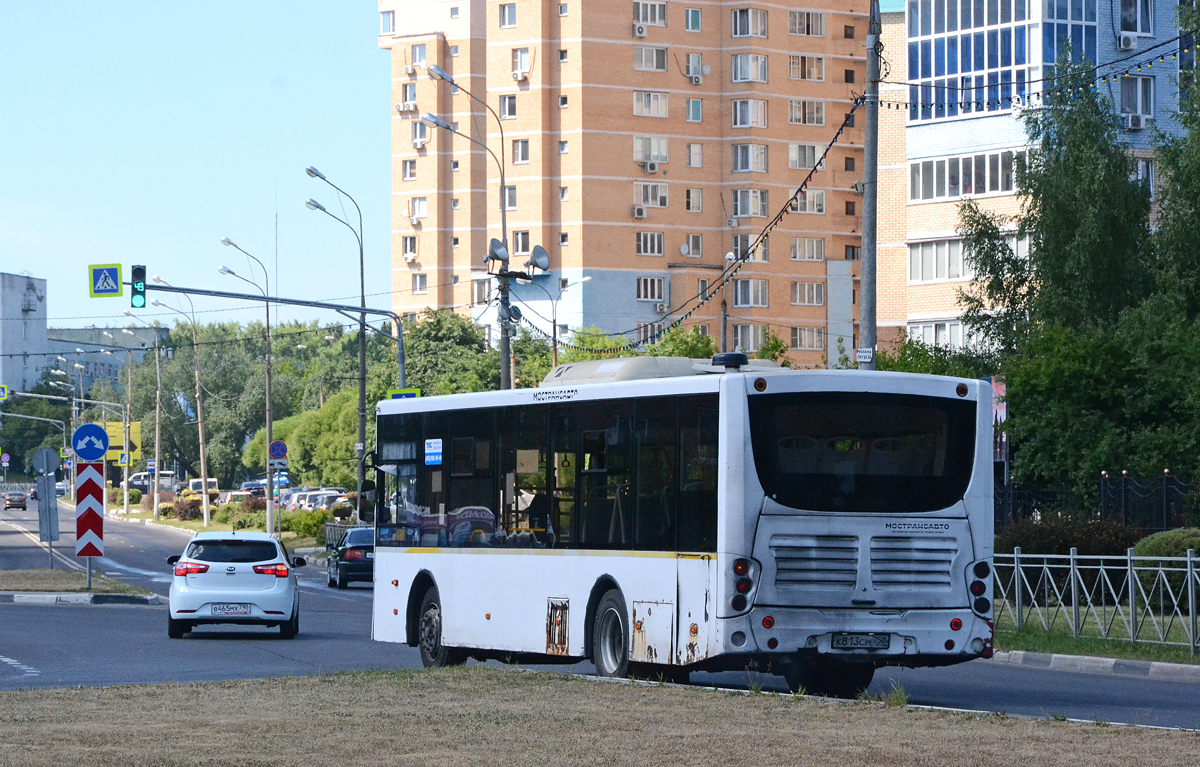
column 25, row 670
column 58, row 554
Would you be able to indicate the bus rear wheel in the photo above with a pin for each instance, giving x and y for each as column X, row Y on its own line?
column 429, row 635
column 829, row 677
column 610, row 636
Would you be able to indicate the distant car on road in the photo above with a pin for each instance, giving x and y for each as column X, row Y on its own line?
column 353, row 558
column 234, row 577
column 15, row 501
column 33, row 493
column 60, row 489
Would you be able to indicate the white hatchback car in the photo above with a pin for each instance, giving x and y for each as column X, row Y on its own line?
column 234, row 577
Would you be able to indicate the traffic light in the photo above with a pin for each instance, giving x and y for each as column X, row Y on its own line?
column 137, row 281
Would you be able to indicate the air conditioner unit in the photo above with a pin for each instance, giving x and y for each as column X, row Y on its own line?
column 1135, row 122
column 731, row 222
column 409, row 69
column 697, row 80
column 660, row 308
column 639, row 30
column 413, row 220
column 638, row 211
column 650, row 167
column 520, row 76
column 409, row 106
column 418, row 143
column 1127, row 42
column 410, row 257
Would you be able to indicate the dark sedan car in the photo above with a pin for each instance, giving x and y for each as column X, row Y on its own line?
column 14, row 501
column 353, row 558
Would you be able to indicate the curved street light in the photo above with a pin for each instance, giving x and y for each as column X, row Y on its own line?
column 157, row 403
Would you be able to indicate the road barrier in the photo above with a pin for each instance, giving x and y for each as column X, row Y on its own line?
column 1138, row 599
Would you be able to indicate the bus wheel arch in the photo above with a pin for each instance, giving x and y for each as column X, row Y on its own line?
column 416, row 594
column 602, row 585
column 610, row 633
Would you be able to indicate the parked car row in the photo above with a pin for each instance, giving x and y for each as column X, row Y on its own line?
column 309, row 498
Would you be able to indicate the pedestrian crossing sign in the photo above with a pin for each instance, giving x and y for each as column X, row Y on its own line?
column 105, row 280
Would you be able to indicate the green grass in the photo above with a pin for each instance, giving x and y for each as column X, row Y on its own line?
column 291, row 540
column 1033, row 638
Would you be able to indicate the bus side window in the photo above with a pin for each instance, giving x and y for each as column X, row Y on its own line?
column 525, row 500
column 606, row 503
column 656, row 432
column 564, row 444
column 698, row 426
column 471, row 498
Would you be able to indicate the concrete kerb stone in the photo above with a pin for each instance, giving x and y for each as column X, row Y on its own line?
column 75, row 599
column 146, row 523
column 1083, row 664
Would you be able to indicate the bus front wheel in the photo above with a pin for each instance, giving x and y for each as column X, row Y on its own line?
column 610, row 636
column 429, row 635
column 829, row 677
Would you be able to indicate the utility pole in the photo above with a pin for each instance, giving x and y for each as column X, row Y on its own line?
column 867, row 330
column 128, row 416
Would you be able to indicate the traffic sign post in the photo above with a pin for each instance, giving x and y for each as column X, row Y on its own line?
column 278, row 449
column 122, row 459
column 90, row 443
column 45, row 463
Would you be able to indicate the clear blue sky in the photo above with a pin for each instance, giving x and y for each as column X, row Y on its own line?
column 143, row 132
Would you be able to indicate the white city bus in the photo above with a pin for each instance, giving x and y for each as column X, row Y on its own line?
column 660, row 516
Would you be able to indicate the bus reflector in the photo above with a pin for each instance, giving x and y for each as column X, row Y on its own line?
column 772, row 643
column 768, row 621
column 955, row 624
column 949, row 644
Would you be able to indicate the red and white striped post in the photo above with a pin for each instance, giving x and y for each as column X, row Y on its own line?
column 90, row 500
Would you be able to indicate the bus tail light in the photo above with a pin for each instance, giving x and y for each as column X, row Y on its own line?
column 979, row 586
column 279, row 570
column 740, row 582
column 190, row 568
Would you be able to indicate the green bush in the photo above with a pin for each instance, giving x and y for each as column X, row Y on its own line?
column 250, row 521
column 1169, row 543
column 135, row 496
column 306, row 524
column 223, row 515
column 1060, row 536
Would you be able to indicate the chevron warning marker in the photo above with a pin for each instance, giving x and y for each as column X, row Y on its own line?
column 89, row 509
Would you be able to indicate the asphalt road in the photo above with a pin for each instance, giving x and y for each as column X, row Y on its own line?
column 66, row 646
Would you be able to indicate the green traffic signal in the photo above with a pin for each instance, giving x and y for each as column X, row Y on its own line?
column 137, row 280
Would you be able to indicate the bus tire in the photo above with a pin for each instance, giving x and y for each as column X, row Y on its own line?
column 829, row 677
column 610, row 636
column 429, row 635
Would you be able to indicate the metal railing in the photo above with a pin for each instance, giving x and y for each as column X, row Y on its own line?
column 333, row 531
column 1137, row 599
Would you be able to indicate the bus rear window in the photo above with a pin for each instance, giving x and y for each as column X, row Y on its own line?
column 862, row 452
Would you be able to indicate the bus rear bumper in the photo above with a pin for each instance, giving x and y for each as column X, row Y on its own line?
column 886, row 637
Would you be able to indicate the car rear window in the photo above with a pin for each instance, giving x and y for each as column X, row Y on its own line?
column 364, row 537
column 232, row 551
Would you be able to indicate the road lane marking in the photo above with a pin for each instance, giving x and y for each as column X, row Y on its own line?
column 58, row 554
column 18, row 666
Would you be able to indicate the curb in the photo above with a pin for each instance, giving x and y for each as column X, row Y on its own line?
column 145, row 523
column 1086, row 664
column 57, row 600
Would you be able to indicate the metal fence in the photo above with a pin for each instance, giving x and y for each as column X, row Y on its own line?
column 1013, row 504
column 1138, row 599
column 1157, row 504
column 333, row 531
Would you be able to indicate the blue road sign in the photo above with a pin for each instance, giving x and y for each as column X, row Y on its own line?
column 151, row 465
column 90, row 442
column 433, row 452
column 278, row 449
column 104, row 280
column 3, row 392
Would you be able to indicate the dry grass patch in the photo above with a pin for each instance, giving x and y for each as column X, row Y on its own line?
column 485, row 716
column 63, row 581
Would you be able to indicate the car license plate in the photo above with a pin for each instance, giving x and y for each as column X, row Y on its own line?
column 861, row 641
column 370, row 555
column 231, row 609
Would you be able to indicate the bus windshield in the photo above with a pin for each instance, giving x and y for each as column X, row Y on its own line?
column 862, row 452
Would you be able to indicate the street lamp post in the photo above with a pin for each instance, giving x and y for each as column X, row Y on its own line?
column 554, row 314
column 128, row 416
column 199, row 400
column 157, row 406
column 362, row 327
column 267, row 291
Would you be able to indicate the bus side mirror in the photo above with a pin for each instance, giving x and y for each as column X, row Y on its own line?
column 366, row 503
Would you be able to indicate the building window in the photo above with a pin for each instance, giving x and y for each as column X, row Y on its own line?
column 520, row 151
column 853, row 252
column 749, row 202
column 454, row 12
column 848, row 163
column 695, row 111
column 744, row 247
column 947, row 333
column 649, row 59
column 408, row 169
column 808, row 249
column 1137, row 16
column 649, row 149
column 520, row 61
column 806, row 23
column 695, row 155
column 649, row 104
column 940, row 260
column 747, row 338
column 691, row 19
column 510, row 198
column 562, row 9
column 750, row 293
column 848, row 32
column 563, row 146
column 562, row 238
column 652, row 14
column 808, row 294
column 749, row 67
column 454, row 166
column 562, row 102
column 963, row 176
column 562, row 194
column 481, row 292
column 850, row 207
column 1137, row 96
column 695, row 245
column 454, row 242
column 802, row 156
column 810, row 201
column 808, row 339
column 408, row 246
column 806, row 68
column 418, row 207
column 693, row 200
column 806, row 112
column 749, row 158
column 849, row 75
column 387, row 22
column 453, row 51
column 750, row 113
column 702, row 289
column 420, row 284
column 420, row 132
column 1145, row 173
column 508, row 15
column 520, row 243
column 408, row 92
column 650, row 288
column 454, row 203
column 508, row 107
column 562, row 55
column 693, row 65
column 650, row 243
column 648, row 332
column 650, row 195
column 418, row 55
column 749, row 22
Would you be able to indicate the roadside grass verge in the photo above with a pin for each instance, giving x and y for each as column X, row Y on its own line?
column 484, row 716
column 63, row 581
column 290, row 539
column 1033, row 638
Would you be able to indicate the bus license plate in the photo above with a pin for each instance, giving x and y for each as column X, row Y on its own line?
column 231, row 609
column 861, row 641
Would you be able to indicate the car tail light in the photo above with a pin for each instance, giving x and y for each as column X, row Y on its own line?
column 353, row 554
column 190, row 568
column 279, row 570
